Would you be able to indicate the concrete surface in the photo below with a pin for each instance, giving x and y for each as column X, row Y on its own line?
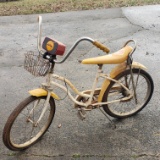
column 137, row 137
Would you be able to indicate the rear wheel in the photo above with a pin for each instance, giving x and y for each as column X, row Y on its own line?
column 21, row 129
column 144, row 89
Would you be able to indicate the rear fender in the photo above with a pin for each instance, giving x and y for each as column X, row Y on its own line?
column 114, row 72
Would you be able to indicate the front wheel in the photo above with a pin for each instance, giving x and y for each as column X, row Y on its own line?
column 21, row 129
column 143, row 87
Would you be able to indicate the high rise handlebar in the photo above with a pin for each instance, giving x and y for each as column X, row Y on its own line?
column 96, row 43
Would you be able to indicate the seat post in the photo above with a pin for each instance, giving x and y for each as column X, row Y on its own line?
column 95, row 83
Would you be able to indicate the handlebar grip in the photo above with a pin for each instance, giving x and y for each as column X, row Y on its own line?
column 101, row 46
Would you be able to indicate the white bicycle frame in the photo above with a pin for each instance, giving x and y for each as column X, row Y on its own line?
column 49, row 86
column 91, row 95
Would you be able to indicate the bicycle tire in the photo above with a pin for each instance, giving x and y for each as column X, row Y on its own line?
column 111, row 109
column 18, row 118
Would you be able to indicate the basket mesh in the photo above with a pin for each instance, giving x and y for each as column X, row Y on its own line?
column 36, row 64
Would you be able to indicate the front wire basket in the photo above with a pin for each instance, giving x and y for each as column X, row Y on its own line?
column 36, row 64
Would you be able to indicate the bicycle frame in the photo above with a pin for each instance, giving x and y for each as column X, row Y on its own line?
column 99, row 74
column 49, row 86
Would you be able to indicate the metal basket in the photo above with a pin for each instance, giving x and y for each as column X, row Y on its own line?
column 36, row 64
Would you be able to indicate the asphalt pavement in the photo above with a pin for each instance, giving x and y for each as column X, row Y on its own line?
column 137, row 137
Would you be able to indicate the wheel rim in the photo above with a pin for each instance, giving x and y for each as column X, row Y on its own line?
column 143, row 90
column 24, row 132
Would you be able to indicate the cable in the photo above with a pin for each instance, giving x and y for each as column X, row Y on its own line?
column 67, row 90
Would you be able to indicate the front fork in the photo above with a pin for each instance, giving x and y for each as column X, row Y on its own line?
column 44, row 109
column 35, row 124
column 48, row 95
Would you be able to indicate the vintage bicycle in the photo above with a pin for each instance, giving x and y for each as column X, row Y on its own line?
column 126, row 90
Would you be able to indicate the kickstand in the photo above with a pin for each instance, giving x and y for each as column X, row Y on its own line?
column 112, row 123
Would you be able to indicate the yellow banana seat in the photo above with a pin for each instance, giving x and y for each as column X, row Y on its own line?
column 114, row 58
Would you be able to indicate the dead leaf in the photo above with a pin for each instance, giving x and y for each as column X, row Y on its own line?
column 59, row 126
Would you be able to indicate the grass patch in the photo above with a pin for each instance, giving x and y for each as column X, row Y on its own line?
column 51, row 6
column 76, row 156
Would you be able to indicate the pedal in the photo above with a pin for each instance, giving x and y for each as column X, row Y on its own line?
column 81, row 114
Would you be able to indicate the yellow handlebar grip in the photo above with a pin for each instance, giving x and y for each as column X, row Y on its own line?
column 101, row 46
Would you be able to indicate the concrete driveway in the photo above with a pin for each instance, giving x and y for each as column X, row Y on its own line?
column 137, row 137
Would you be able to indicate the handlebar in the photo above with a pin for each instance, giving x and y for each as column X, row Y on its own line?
column 95, row 43
column 135, row 45
column 73, row 47
column 39, row 34
column 101, row 46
